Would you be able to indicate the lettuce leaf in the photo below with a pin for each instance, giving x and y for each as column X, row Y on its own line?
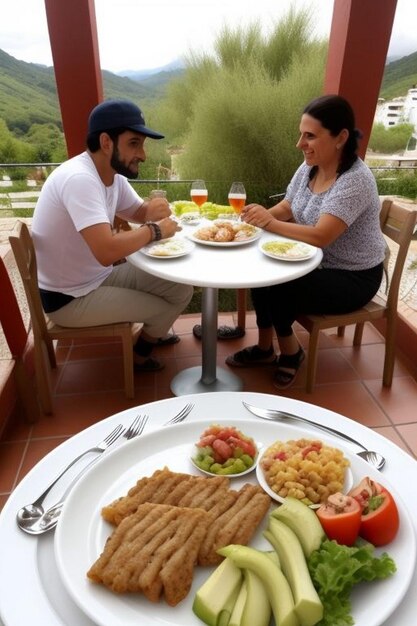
column 335, row 569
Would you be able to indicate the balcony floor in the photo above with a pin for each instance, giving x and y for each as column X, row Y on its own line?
column 88, row 386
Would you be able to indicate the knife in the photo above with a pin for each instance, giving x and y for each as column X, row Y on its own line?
column 277, row 415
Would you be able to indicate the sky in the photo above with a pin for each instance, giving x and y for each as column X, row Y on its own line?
column 146, row 34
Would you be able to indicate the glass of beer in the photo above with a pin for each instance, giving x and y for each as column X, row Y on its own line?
column 199, row 193
column 237, row 197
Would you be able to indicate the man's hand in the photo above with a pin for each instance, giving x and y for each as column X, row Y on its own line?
column 168, row 227
column 157, row 209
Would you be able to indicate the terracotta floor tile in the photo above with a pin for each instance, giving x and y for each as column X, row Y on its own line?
column 36, row 450
column 11, row 455
column 368, row 361
column 409, row 433
column 348, row 398
column 395, row 435
column 399, row 401
column 86, row 376
column 333, row 367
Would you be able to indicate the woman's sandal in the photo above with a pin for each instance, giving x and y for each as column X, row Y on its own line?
column 288, row 367
column 252, row 356
column 223, row 332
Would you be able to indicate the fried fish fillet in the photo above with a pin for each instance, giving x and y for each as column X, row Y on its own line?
column 166, row 487
column 234, row 515
column 153, row 551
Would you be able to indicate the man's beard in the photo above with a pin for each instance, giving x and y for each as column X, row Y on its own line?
column 120, row 167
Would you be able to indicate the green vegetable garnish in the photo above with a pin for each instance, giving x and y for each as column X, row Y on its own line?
column 335, row 569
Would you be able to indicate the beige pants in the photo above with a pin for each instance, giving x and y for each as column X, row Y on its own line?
column 128, row 295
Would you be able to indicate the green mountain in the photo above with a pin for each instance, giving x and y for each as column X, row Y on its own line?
column 28, row 93
column 399, row 77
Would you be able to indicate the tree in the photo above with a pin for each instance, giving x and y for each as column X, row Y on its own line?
column 237, row 113
column 390, row 140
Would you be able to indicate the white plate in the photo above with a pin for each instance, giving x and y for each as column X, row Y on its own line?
column 300, row 252
column 81, row 532
column 262, row 481
column 225, row 244
column 168, row 246
column 194, row 451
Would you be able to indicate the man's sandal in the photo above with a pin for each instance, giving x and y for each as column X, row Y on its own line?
column 168, row 340
column 150, row 365
column 288, row 368
column 252, row 356
column 223, row 332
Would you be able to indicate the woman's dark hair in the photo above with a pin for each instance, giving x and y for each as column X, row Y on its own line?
column 93, row 139
column 335, row 114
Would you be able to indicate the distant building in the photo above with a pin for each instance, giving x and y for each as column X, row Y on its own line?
column 401, row 110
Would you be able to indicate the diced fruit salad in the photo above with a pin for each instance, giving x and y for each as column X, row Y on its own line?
column 225, row 450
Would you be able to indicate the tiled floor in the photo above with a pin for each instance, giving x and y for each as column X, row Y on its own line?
column 89, row 386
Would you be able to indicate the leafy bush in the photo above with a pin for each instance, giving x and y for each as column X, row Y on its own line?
column 390, row 140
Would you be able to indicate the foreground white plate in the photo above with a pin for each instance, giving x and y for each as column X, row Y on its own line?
column 225, row 244
column 168, row 248
column 300, row 252
column 81, row 532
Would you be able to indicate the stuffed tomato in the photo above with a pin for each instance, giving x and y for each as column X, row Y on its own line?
column 380, row 519
column 340, row 517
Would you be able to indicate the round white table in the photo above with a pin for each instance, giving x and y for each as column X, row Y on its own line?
column 214, row 268
column 31, row 590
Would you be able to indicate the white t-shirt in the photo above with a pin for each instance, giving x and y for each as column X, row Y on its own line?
column 72, row 198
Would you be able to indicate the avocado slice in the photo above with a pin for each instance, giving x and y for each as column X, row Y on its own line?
column 218, row 594
column 303, row 522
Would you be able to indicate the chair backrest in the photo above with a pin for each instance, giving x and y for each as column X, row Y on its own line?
column 397, row 223
column 24, row 252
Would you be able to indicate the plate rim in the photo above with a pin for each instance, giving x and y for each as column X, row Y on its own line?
column 286, row 258
column 189, row 247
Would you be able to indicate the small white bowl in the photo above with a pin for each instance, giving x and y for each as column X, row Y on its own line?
column 247, row 471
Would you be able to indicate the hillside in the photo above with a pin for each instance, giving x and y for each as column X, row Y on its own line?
column 399, row 77
column 28, row 92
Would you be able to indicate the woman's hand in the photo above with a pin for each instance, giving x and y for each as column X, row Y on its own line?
column 257, row 215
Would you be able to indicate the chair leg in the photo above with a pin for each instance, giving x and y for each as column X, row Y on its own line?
column 341, row 331
column 128, row 364
column 357, row 337
column 27, row 393
column 43, row 377
column 389, row 360
column 241, row 308
column 312, row 359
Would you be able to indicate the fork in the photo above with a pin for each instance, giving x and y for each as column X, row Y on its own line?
column 35, row 509
column 136, row 427
column 180, row 417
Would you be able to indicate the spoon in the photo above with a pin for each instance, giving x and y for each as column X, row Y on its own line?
column 373, row 458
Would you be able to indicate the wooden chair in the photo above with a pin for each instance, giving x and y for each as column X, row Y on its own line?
column 45, row 331
column 397, row 223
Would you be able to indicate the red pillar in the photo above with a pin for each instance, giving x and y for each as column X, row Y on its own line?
column 73, row 36
column 358, row 46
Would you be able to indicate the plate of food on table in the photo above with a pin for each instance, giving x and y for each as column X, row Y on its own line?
column 211, row 522
column 223, row 233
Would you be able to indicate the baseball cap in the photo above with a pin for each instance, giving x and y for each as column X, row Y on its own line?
column 119, row 113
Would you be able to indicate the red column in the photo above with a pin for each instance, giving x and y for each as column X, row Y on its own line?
column 358, row 46
column 73, row 36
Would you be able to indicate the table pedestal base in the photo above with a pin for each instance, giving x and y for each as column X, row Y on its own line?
column 190, row 381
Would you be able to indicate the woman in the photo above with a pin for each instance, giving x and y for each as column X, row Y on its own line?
column 331, row 202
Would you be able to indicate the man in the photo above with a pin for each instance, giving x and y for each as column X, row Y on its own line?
column 76, row 247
